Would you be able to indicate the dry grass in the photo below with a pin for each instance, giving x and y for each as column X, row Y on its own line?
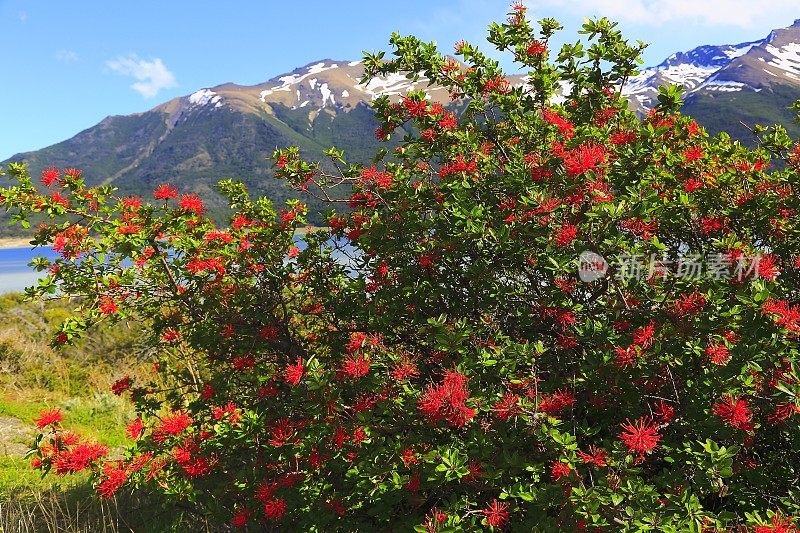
column 78, row 511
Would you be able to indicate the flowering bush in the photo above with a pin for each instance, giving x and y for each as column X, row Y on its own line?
column 438, row 358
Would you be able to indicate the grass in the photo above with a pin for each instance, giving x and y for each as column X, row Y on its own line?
column 34, row 377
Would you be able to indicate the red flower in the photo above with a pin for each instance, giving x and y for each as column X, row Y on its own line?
column 132, row 202
column 241, row 516
column 50, row 175
column 664, row 412
column 230, row 410
column 79, row 457
column 718, row 354
column 693, row 128
column 536, row 48
column 281, row 432
column 170, row 334
column 129, row 229
column 121, row 385
column 625, row 357
column 565, row 127
column 404, row 370
column 294, row 373
column 135, row 428
column 689, row 304
column 354, row 367
column 693, row 153
column 449, row 122
column 275, row 508
column 788, row 315
column 779, row 525
column 622, row 137
column 766, row 267
column 192, row 203
column 409, row 457
column 584, row 158
column 415, row 108
column 58, row 199
column 413, row 483
column 175, row 423
column 507, row 407
column 643, row 337
column 565, row 235
column 641, row 436
column 114, row 477
column 48, row 417
column 556, row 402
column 735, row 412
column 107, row 306
column 559, row 470
column 496, row 514
column 165, row 192
column 447, row 400
column 596, row 456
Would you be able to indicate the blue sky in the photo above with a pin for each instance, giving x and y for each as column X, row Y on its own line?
column 66, row 65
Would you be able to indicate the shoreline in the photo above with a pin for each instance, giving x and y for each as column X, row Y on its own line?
column 25, row 242
column 15, row 242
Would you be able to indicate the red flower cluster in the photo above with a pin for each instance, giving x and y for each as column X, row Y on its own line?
column 165, row 192
column 507, row 407
column 565, row 235
column 735, row 412
column 114, row 476
column 496, row 514
column 558, row 401
column 718, row 354
column 447, row 400
column 559, row 470
column 564, row 126
column 192, row 203
column 640, row 436
column 175, row 423
column 294, row 373
column 48, row 417
column 460, row 164
column 50, row 175
column 121, row 385
column 584, row 158
column 786, row 315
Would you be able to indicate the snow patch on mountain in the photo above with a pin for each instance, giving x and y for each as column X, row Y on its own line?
column 725, row 86
column 293, row 79
column 205, row 97
column 785, row 58
column 326, row 95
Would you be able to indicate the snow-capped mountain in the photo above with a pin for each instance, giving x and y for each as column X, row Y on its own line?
column 750, row 66
column 229, row 130
column 326, row 85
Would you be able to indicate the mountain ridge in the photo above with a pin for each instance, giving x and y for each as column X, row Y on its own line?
column 229, row 130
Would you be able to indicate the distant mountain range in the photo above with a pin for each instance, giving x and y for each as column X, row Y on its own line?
column 229, row 130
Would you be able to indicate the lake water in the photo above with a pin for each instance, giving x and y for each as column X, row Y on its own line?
column 15, row 274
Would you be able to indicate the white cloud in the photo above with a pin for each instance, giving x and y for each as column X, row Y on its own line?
column 23, row 16
column 152, row 75
column 67, row 56
column 741, row 13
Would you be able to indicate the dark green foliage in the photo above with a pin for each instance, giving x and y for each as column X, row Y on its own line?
column 734, row 112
